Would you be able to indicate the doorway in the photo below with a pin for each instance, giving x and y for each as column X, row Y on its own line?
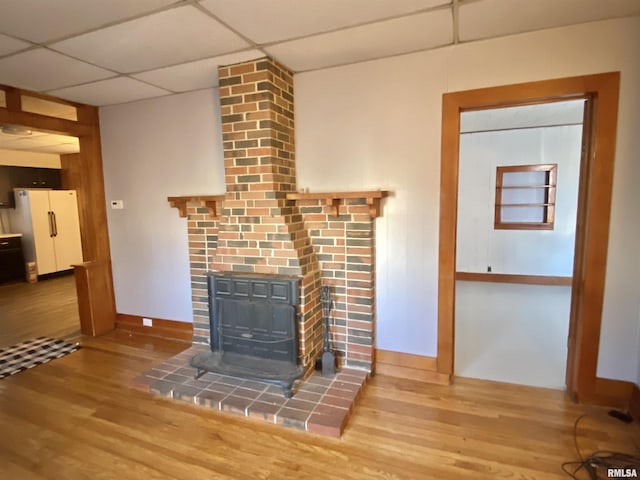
column 31, row 162
column 518, row 180
column 594, row 203
column 81, row 172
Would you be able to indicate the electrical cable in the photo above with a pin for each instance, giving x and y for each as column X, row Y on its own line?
column 600, row 459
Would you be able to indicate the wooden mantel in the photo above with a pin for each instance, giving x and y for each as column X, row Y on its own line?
column 333, row 199
column 209, row 201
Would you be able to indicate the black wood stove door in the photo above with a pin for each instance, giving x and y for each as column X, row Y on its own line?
column 254, row 316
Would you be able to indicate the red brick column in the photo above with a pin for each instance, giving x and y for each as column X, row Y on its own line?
column 345, row 247
column 260, row 230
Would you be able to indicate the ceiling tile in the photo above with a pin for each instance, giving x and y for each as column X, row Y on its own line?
column 109, row 92
column 375, row 40
column 195, row 75
column 10, row 45
column 492, row 18
column 286, row 19
column 162, row 39
column 40, row 142
column 41, row 69
column 40, row 21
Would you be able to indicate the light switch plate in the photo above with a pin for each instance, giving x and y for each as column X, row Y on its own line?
column 117, row 204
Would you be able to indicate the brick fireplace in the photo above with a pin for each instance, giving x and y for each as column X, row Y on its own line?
column 263, row 225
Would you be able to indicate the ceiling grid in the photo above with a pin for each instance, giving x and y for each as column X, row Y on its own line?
column 104, row 53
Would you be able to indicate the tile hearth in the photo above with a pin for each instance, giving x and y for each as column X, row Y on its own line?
column 320, row 405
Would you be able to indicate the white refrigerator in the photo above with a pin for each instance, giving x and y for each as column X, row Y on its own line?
column 50, row 227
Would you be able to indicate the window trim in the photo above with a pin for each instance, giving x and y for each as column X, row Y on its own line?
column 549, row 205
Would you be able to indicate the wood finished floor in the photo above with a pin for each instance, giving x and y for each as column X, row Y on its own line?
column 76, row 418
column 47, row 308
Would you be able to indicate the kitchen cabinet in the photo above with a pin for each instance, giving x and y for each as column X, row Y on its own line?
column 29, row 177
column 12, row 266
column 50, row 226
column 25, row 177
column 6, row 189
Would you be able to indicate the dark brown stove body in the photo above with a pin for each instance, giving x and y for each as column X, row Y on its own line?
column 254, row 332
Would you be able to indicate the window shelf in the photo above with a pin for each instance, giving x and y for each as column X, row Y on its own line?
column 525, row 197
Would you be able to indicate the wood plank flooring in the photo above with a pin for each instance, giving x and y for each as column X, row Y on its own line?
column 76, row 418
column 47, row 308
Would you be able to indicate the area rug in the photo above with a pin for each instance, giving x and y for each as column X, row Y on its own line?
column 32, row 353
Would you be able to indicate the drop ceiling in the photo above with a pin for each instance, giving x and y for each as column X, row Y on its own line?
column 108, row 52
column 42, row 142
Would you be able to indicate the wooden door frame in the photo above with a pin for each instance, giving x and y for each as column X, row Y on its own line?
column 82, row 172
column 592, row 235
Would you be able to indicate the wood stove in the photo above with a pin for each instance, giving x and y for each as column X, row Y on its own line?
column 253, row 328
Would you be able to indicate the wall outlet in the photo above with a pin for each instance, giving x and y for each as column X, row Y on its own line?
column 489, row 269
column 147, row 322
column 117, row 204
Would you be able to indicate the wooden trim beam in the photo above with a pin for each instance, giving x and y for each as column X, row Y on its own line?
column 406, row 365
column 94, row 305
column 43, row 122
column 609, row 393
column 510, row 278
column 334, row 199
column 168, row 329
column 209, row 201
column 634, row 404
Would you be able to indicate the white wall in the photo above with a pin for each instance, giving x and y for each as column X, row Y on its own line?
column 377, row 125
column 512, row 333
column 153, row 149
column 524, row 252
column 371, row 125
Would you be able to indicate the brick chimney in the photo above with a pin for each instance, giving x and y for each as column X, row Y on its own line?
column 260, row 231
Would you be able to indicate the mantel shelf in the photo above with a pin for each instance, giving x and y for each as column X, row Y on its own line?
column 333, row 199
column 209, row 201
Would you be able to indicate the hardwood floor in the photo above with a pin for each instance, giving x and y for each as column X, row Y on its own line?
column 46, row 308
column 76, row 418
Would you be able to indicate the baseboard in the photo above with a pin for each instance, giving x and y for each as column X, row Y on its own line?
column 610, row 393
column 413, row 367
column 169, row 329
column 634, row 405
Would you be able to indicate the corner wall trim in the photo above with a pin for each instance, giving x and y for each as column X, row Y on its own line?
column 410, row 366
column 169, row 329
column 634, row 404
column 610, row 393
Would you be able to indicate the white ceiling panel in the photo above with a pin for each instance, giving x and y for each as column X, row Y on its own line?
column 10, row 45
column 41, row 21
column 41, row 69
column 59, row 148
column 286, row 19
column 493, row 18
column 195, row 75
column 162, row 39
column 109, row 92
column 41, row 143
column 371, row 41
column 151, row 48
